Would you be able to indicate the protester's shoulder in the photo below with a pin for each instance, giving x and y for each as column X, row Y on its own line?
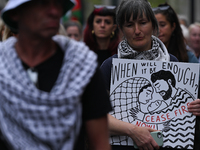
column 63, row 41
column 108, row 61
column 173, row 58
column 191, row 57
column 7, row 44
column 73, row 46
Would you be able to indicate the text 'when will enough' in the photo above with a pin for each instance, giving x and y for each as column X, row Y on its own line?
column 128, row 70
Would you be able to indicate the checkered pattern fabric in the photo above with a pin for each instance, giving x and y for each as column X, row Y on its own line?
column 158, row 51
column 31, row 119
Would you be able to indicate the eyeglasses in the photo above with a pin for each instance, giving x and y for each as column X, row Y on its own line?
column 102, row 6
column 160, row 8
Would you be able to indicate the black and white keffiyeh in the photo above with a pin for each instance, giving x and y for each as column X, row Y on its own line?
column 31, row 119
column 158, row 51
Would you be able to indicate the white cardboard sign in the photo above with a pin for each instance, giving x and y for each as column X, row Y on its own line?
column 155, row 94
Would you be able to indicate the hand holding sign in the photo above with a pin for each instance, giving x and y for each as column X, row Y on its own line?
column 194, row 107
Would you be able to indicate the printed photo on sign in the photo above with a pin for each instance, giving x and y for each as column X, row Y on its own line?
column 155, row 94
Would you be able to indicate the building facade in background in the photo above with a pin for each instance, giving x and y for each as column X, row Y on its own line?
column 188, row 8
column 2, row 4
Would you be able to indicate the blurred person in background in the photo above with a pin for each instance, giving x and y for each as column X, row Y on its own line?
column 2, row 26
column 184, row 26
column 183, row 20
column 101, row 34
column 74, row 30
column 52, row 92
column 185, row 32
column 170, row 33
column 61, row 30
column 194, row 38
column 5, row 31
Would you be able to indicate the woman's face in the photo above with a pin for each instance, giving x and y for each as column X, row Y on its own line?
column 165, row 29
column 73, row 32
column 194, row 38
column 103, row 26
column 138, row 33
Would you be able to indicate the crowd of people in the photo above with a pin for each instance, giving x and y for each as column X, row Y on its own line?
column 55, row 77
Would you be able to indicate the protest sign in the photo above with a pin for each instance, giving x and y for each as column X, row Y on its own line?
column 155, row 94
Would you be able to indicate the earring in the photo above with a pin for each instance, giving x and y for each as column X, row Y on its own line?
column 112, row 34
column 92, row 31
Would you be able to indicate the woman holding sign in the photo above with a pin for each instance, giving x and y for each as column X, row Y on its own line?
column 137, row 22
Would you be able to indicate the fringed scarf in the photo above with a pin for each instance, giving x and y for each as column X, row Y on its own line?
column 158, row 51
column 31, row 119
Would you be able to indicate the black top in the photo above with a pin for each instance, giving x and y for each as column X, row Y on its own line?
column 103, row 55
column 48, row 71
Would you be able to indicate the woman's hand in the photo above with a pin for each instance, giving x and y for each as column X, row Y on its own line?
column 143, row 139
column 140, row 135
column 194, row 107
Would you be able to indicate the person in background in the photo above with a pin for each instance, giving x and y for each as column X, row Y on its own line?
column 2, row 26
column 194, row 38
column 183, row 20
column 74, row 30
column 170, row 33
column 101, row 34
column 137, row 22
column 185, row 32
column 5, row 31
column 61, row 30
column 52, row 92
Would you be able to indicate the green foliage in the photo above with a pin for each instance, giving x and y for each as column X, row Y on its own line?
column 98, row 2
column 155, row 3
